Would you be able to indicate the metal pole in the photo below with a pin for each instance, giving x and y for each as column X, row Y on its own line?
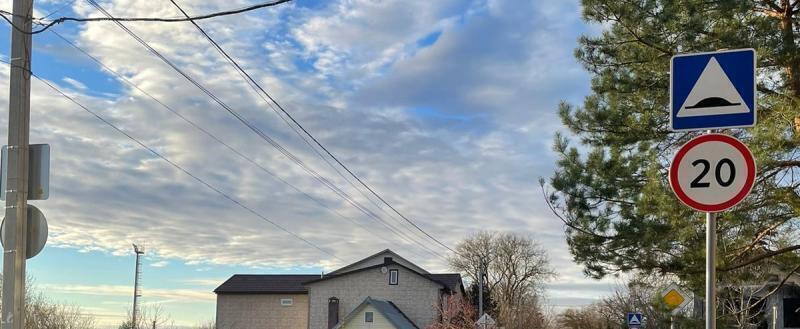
column 136, row 294
column 671, row 322
column 16, row 214
column 711, row 271
column 480, row 296
column 480, row 291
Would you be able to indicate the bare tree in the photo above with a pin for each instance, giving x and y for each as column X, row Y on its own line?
column 455, row 313
column 588, row 317
column 527, row 313
column 43, row 313
column 516, row 268
column 149, row 317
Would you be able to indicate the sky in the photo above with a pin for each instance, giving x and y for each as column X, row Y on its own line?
column 446, row 108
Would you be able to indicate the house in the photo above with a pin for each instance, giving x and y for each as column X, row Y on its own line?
column 381, row 291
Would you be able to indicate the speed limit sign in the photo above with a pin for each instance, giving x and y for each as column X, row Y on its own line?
column 712, row 172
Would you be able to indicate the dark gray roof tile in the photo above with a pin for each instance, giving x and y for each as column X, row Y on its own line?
column 266, row 284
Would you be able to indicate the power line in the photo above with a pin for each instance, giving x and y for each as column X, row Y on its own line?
column 177, row 166
column 60, row 20
column 305, row 131
column 214, row 137
column 256, row 88
column 260, row 133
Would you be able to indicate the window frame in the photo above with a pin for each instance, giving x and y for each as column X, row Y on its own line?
column 396, row 274
column 369, row 317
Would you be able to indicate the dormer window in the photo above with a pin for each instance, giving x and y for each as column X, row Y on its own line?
column 394, row 277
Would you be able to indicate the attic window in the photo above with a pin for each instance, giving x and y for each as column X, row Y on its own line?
column 394, row 277
column 287, row 302
column 368, row 316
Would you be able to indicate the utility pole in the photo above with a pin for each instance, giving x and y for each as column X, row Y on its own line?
column 480, row 294
column 480, row 291
column 136, row 293
column 16, row 213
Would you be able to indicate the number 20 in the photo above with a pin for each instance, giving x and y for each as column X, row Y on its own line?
column 697, row 182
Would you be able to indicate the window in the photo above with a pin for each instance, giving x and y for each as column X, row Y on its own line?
column 394, row 277
column 287, row 302
column 368, row 316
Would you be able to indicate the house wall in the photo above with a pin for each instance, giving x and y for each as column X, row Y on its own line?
column 414, row 295
column 261, row 311
column 378, row 320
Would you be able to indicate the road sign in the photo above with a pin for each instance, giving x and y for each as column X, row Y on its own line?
column 713, row 90
column 674, row 297
column 38, row 175
column 712, row 172
column 635, row 319
column 37, row 232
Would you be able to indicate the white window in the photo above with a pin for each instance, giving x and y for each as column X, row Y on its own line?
column 368, row 317
column 394, row 277
column 287, row 301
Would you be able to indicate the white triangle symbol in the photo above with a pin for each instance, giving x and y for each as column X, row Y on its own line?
column 713, row 94
column 635, row 320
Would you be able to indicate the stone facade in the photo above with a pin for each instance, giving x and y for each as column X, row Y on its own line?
column 261, row 311
column 415, row 295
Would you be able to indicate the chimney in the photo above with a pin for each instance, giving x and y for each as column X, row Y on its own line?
column 333, row 312
column 387, row 260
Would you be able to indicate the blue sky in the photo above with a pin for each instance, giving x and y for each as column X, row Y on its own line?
column 447, row 108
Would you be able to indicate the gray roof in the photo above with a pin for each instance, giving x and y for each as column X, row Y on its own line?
column 390, row 311
column 266, row 284
column 450, row 280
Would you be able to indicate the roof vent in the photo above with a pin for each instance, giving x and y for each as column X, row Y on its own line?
column 387, row 260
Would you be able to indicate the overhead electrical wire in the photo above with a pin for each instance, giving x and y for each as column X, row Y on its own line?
column 306, row 132
column 122, row 78
column 176, row 165
column 258, row 131
column 48, row 25
column 261, row 92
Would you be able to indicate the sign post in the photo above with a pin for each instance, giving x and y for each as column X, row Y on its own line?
column 712, row 172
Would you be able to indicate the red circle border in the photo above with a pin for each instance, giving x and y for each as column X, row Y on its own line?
column 748, row 185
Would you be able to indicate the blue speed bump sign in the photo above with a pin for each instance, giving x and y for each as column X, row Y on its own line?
column 713, row 90
column 634, row 319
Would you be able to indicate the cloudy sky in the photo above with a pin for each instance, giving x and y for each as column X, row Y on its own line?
column 446, row 108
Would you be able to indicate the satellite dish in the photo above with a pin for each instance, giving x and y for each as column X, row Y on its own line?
column 384, row 270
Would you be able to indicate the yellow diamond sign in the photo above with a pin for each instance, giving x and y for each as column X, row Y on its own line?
column 673, row 299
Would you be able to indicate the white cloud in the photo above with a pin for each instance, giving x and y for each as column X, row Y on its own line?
column 181, row 295
column 454, row 134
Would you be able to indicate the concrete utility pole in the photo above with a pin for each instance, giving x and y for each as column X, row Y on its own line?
column 136, row 293
column 16, row 214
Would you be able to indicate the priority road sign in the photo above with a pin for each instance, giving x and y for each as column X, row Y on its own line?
column 712, row 172
column 674, row 297
column 635, row 319
column 713, row 90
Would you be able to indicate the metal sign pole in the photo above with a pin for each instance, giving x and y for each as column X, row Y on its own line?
column 711, row 270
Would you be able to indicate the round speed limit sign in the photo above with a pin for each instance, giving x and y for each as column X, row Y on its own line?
column 712, row 172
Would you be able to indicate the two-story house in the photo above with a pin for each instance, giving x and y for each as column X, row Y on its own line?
column 381, row 291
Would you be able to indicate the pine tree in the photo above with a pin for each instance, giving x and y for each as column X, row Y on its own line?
column 610, row 186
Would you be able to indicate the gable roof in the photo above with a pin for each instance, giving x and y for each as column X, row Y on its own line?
column 266, row 284
column 451, row 282
column 388, row 309
column 389, row 252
